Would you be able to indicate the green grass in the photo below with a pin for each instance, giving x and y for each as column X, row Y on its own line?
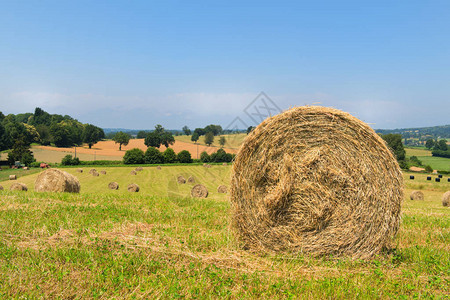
column 160, row 243
column 437, row 163
column 4, row 173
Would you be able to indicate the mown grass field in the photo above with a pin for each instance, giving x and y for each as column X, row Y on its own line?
column 160, row 243
column 233, row 141
column 437, row 163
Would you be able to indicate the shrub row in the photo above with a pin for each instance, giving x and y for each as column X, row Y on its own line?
column 154, row 156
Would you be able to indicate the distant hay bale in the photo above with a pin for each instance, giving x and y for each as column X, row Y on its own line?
column 92, row 171
column 80, row 170
column 191, row 179
column 428, row 177
column 113, row 185
column 54, row 180
column 158, row 168
column 416, row 195
column 208, row 165
column 138, row 169
column 181, row 180
column 225, row 164
column 411, row 177
column 199, row 191
column 446, row 199
column 316, row 180
column 103, row 172
column 205, row 165
column 17, row 186
column 1, row 188
column 12, row 177
column 26, row 168
column 223, row 189
column 133, row 188
column 133, row 172
column 95, row 174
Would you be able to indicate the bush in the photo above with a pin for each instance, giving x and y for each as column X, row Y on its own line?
column 204, row 157
column 169, row 156
column 134, row 156
column 441, row 153
column 68, row 160
column 153, row 156
column 221, row 156
column 184, row 156
column 428, row 169
column 100, row 162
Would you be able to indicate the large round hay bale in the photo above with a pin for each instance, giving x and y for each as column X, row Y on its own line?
column 199, row 191
column 103, row 172
column 181, row 179
column 191, row 179
column 54, row 180
column 12, row 177
column 113, row 185
column 80, row 170
column 446, row 199
column 133, row 172
column 133, row 187
column 416, row 195
column 92, row 171
column 17, row 186
column 316, row 180
column 223, row 189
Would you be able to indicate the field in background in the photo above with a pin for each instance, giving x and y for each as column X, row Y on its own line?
column 233, row 141
column 437, row 163
column 160, row 243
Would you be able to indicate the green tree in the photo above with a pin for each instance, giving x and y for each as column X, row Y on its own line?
column 186, row 130
column 429, row 143
column 121, row 138
column 209, row 138
column 153, row 139
column 250, row 129
column 159, row 136
column 153, row 156
column 141, row 134
column 195, row 137
column 68, row 160
column 222, row 141
column 20, row 152
column 394, row 142
column 167, row 139
column 134, row 156
column 184, row 156
column 205, row 157
column 92, row 134
column 169, row 156
column 443, row 145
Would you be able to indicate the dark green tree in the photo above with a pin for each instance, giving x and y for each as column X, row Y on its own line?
column 153, row 156
column 250, row 129
column 195, row 137
column 209, row 138
column 121, row 138
column 169, row 156
column 184, row 156
column 205, row 157
column 222, row 141
column 394, row 142
column 167, row 139
column 186, row 130
column 429, row 143
column 141, row 134
column 92, row 134
column 443, row 145
column 134, row 156
column 153, row 139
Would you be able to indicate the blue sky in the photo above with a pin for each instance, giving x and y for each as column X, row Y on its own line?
column 133, row 64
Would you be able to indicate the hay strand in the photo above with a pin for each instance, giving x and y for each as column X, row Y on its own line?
column 315, row 180
column 54, row 180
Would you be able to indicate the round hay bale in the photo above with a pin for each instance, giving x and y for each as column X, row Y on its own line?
column 12, row 177
column 80, row 170
column 95, row 174
column 138, row 169
column 416, row 195
column 223, row 189
column 103, row 172
column 17, row 186
column 224, row 164
column 199, row 191
column 158, row 168
column 54, row 180
column 1, row 188
column 191, row 179
column 133, row 188
column 316, row 180
column 181, row 180
column 26, row 168
column 92, row 171
column 133, row 172
column 446, row 199
column 113, row 185
column 205, row 165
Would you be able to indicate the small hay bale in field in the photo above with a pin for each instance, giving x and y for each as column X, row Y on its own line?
column 446, row 199
column 80, row 170
column 411, row 177
column 428, row 177
column 133, row 172
column 95, row 174
column 416, row 195
column 158, row 168
column 12, row 177
column 437, row 179
column 138, row 169
column 133, row 188
column 208, row 166
column 316, row 180
column 440, row 175
column 17, row 186
column 191, row 179
column 54, row 180
column 199, row 191
column 1, row 188
column 181, row 180
column 113, row 185
column 205, row 165
column 103, row 172
column 222, row 189
column 25, row 168
column 92, row 171
column 224, row 164
column 448, row 179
